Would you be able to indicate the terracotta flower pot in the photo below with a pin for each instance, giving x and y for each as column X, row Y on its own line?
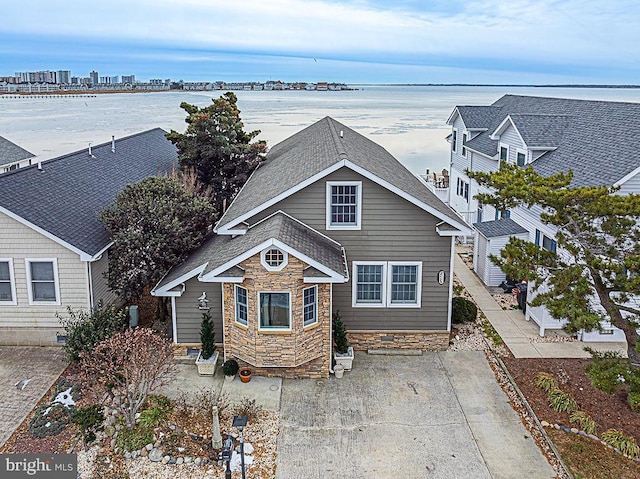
column 245, row 375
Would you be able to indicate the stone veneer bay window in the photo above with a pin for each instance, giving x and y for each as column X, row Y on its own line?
column 274, row 309
column 310, row 306
column 242, row 308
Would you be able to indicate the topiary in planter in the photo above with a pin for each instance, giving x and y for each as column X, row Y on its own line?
column 230, row 367
column 339, row 334
column 463, row 310
column 207, row 336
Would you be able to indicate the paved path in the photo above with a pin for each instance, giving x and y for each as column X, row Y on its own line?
column 519, row 334
column 43, row 365
column 440, row 415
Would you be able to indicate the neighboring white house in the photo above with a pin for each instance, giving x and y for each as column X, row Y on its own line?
column 53, row 248
column 13, row 156
column 590, row 138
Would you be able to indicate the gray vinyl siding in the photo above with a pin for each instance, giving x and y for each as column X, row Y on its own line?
column 511, row 138
column 392, row 230
column 101, row 291
column 190, row 317
column 482, row 163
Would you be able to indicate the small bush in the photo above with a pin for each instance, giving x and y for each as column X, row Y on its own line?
column 85, row 330
column 546, row 382
column 150, row 418
column 134, row 439
column 623, row 443
column 633, row 398
column 339, row 334
column 207, row 336
column 607, row 371
column 248, row 407
column 463, row 310
column 230, row 367
column 562, row 402
column 90, row 419
column 583, row 421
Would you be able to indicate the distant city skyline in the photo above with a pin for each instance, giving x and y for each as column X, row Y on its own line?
column 358, row 41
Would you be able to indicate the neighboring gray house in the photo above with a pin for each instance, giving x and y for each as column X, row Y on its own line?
column 13, row 156
column 590, row 138
column 53, row 248
column 329, row 222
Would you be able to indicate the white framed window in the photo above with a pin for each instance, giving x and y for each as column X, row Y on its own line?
column 504, row 152
column 454, row 140
column 344, row 205
column 274, row 310
column 393, row 284
column 274, row 259
column 463, row 189
column 42, row 279
column 521, row 158
column 310, row 306
column 464, row 148
column 369, row 285
column 405, row 284
column 242, row 306
column 7, row 283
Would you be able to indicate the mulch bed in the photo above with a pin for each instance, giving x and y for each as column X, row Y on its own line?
column 608, row 411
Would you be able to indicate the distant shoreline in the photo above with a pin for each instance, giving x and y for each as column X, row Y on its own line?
column 509, row 85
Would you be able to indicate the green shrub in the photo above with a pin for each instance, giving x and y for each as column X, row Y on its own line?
column 230, row 367
column 633, row 398
column 150, row 418
column 207, row 336
column 583, row 421
column 562, row 402
column 85, row 330
column 623, row 443
column 90, row 420
column 339, row 334
column 463, row 310
column 607, row 371
column 134, row 439
column 546, row 382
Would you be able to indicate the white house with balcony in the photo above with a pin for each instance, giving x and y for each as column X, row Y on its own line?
column 590, row 138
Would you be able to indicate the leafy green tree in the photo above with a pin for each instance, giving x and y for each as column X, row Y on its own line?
column 597, row 243
column 218, row 148
column 154, row 225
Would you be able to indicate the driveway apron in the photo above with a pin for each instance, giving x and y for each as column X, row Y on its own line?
column 440, row 415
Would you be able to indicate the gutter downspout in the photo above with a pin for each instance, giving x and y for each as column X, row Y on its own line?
column 330, row 328
column 91, row 299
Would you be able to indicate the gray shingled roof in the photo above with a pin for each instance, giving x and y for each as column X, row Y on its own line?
column 218, row 250
column 477, row 117
column 595, row 143
column 10, row 152
column 66, row 197
column 541, row 130
column 502, row 227
column 312, row 151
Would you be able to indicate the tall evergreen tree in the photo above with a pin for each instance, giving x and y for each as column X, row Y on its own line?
column 218, row 148
column 596, row 269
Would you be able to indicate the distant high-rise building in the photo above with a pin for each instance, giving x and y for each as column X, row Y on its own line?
column 114, row 79
column 75, row 81
column 128, row 79
column 105, row 80
column 94, row 77
column 64, row 77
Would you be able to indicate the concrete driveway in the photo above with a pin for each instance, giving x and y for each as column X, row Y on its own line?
column 441, row 415
column 42, row 365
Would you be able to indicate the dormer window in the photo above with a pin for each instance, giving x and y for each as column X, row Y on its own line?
column 344, row 205
column 274, row 259
column 521, row 158
column 464, row 141
column 504, row 153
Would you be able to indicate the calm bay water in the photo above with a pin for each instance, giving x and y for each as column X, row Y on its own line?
column 409, row 121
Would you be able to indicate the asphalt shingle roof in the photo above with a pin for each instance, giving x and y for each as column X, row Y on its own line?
column 217, row 250
column 10, row 152
column 315, row 149
column 594, row 139
column 501, row 227
column 66, row 197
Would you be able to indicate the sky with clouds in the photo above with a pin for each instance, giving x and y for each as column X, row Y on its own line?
column 358, row 41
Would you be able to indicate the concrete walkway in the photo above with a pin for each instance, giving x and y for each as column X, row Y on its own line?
column 42, row 365
column 440, row 415
column 518, row 334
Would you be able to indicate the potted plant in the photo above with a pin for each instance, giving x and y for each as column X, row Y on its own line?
column 230, row 369
column 245, row 375
column 208, row 356
column 342, row 352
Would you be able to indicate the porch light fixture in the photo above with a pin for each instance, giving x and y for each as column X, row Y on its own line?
column 203, row 302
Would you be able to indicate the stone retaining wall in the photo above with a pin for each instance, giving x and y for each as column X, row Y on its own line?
column 420, row 340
